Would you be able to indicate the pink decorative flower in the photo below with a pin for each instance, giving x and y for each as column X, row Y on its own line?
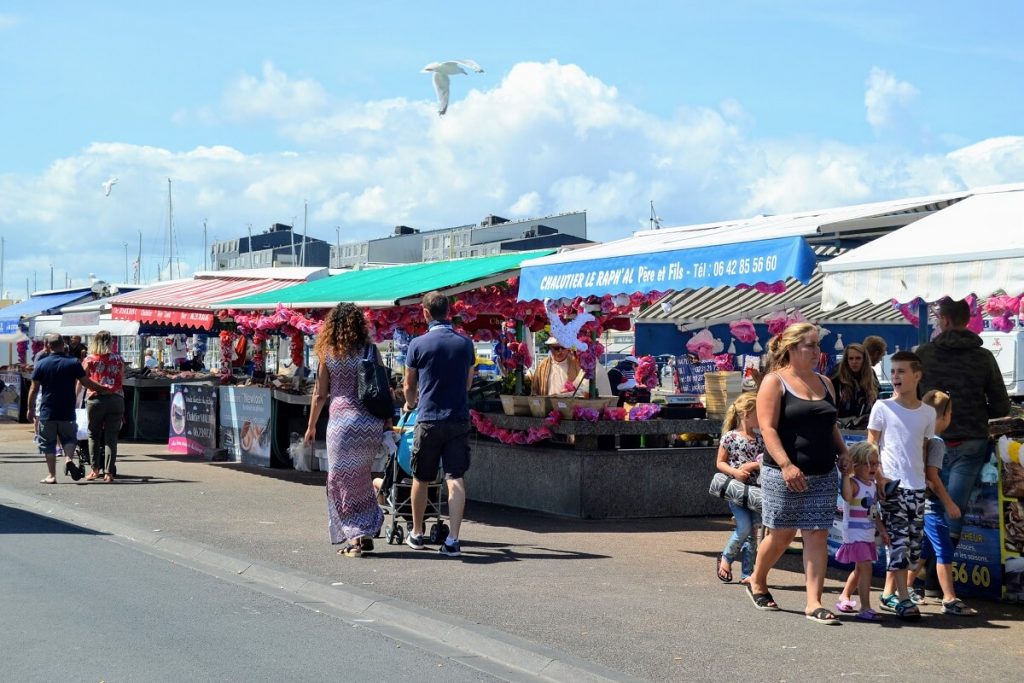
column 723, row 362
column 777, row 322
column 702, row 344
column 615, row 414
column 644, row 411
column 743, row 330
column 585, row 414
column 647, row 372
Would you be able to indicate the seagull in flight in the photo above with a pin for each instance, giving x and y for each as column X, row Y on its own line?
column 441, row 71
column 108, row 186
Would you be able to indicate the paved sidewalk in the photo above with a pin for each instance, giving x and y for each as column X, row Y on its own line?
column 638, row 597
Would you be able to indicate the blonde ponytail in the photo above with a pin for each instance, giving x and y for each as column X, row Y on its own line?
column 740, row 407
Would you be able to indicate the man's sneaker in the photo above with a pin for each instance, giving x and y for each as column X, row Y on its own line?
column 917, row 597
column 450, row 549
column 889, row 602
column 415, row 542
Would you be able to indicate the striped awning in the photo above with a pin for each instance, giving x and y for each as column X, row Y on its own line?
column 192, row 303
column 713, row 306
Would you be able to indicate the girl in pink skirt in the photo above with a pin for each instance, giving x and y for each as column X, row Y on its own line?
column 860, row 521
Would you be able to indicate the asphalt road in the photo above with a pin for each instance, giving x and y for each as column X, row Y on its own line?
column 81, row 606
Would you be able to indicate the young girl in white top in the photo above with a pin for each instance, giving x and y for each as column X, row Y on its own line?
column 860, row 521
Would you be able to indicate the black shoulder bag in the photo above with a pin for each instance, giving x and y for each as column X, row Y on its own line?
column 374, row 386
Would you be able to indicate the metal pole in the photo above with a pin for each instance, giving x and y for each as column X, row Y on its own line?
column 138, row 268
column 250, row 245
column 337, row 230
column 305, row 225
column 204, row 245
column 126, row 262
column 51, row 276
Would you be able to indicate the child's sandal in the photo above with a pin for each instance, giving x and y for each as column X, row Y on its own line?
column 351, row 550
column 846, row 606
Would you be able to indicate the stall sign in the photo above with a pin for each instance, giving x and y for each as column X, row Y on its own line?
column 1011, row 517
column 691, row 374
column 193, row 424
column 245, row 415
column 977, row 562
column 80, row 319
column 10, row 395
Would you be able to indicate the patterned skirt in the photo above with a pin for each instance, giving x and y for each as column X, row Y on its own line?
column 353, row 439
column 814, row 508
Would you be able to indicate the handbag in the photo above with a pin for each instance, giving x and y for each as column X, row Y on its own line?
column 375, row 386
column 732, row 489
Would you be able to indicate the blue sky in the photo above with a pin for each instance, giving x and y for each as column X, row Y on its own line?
column 714, row 111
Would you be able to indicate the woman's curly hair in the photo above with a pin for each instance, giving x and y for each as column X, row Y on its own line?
column 344, row 332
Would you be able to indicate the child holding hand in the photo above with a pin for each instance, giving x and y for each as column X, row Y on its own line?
column 860, row 522
column 739, row 454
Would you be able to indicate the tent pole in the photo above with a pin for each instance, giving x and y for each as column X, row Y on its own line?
column 922, row 322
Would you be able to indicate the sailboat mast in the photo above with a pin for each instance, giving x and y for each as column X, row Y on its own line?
column 305, row 226
column 170, row 231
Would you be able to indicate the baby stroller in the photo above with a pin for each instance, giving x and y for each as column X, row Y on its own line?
column 396, row 490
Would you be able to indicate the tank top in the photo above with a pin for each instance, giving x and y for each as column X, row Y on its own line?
column 805, row 430
column 858, row 526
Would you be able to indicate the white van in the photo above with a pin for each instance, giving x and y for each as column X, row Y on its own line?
column 1008, row 348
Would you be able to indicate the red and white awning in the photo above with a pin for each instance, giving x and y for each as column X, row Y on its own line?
column 191, row 303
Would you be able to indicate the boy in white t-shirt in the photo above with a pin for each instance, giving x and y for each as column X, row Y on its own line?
column 899, row 426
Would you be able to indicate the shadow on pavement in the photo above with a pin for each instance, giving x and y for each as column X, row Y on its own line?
column 476, row 552
column 491, row 514
column 293, row 476
column 17, row 521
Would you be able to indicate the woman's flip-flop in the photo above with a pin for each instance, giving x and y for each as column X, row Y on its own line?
column 763, row 601
column 823, row 616
column 724, row 575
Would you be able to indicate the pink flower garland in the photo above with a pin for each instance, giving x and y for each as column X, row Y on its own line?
column 585, row 414
column 23, row 352
column 1001, row 309
column 515, row 436
column 743, row 330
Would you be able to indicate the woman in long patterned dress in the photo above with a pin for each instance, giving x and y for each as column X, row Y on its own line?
column 353, row 434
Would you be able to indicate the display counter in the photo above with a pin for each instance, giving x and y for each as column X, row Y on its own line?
column 592, row 478
column 290, row 414
column 147, row 402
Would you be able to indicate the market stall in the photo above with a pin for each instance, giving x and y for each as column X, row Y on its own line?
column 390, row 296
column 973, row 250
column 186, row 309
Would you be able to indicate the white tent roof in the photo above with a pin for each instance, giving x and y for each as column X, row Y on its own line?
column 834, row 222
column 973, row 247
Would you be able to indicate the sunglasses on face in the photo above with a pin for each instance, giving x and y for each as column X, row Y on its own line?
column 558, row 348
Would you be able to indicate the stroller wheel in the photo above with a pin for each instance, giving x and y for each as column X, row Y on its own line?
column 435, row 533
column 399, row 536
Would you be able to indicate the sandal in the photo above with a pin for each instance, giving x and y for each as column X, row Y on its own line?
column 889, row 602
column 823, row 616
column 366, row 544
column 763, row 601
column 958, row 608
column 869, row 615
column 725, row 576
column 48, row 480
column 846, row 606
column 351, row 550
column 95, row 474
column 907, row 610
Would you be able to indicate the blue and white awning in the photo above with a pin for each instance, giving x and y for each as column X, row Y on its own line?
column 599, row 270
column 10, row 317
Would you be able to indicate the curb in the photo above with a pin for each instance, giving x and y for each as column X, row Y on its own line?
column 472, row 644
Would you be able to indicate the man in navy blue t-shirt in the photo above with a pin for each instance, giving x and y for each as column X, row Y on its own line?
column 438, row 374
column 54, row 378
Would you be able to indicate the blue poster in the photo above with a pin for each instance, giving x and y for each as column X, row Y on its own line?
column 245, row 428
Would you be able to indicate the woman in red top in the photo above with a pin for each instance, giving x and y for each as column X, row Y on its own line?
column 105, row 411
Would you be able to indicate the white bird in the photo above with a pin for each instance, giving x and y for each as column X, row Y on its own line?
column 441, row 71
column 567, row 333
column 108, row 186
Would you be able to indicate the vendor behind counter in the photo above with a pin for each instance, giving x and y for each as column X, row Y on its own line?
column 552, row 375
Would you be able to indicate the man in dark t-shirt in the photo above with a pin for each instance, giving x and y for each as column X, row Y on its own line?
column 438, row 374
column 54, row 378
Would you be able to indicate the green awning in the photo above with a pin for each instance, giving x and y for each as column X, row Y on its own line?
column 393, row 285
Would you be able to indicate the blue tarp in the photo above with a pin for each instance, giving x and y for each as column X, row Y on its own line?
column 36, row 305
column 723, row 265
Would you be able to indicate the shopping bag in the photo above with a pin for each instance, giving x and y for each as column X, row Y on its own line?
column 82, row 422
column 375, row 386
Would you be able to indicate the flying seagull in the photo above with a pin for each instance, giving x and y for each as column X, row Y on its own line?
column 441, row 71
column 108, row 186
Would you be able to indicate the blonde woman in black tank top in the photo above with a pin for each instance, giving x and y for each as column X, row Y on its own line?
column 797, row 413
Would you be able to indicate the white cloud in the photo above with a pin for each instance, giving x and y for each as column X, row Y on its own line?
column 546, row 138
column 886, row 98
column 274, row 96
